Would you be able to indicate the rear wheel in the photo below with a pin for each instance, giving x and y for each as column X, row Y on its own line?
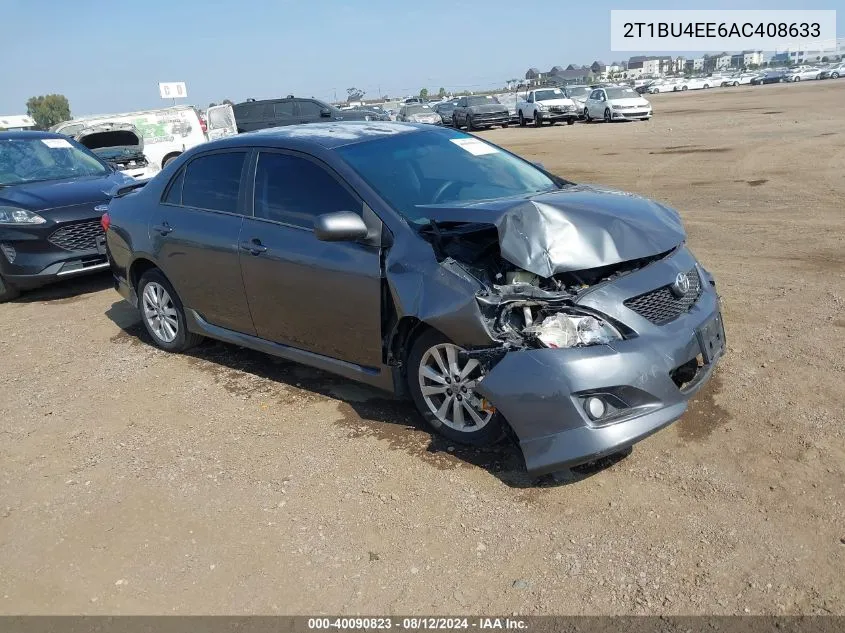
column 162, row 313
column 7, row 291
column 443, row 389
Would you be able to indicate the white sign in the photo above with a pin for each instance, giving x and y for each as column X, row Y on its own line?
column 173, row 90
column 474, row 146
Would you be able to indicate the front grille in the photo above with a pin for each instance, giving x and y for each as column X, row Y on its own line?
column 77, row 237
column 662, row 306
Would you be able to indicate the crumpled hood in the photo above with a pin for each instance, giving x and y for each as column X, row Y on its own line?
column 577, row 228
column 39, row 196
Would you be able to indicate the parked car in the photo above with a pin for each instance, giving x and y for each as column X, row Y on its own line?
column 425, row 261
column 769, row 77
column 579, row 95
column 617, row 104
column 445, row 109
column 121, row 145
column 661, row 85
column 167, row 132
column 740, row 79
column 803, row 73
column 479, row 111
column 546, row 105
column 51, row 194
column 833, row 72
column 694, row 83
column 267, row 113
column 419, row 113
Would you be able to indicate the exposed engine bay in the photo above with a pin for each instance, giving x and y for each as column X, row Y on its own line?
column 119, row 144
column 523, row 309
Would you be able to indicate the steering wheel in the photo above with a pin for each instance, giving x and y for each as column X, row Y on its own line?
column 442, row 189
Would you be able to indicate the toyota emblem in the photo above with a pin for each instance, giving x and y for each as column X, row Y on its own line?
column 681, row 285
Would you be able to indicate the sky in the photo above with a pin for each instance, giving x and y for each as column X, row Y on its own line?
column 108, row 56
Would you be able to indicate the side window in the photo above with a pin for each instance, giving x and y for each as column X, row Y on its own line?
column 174, row 189
column 283, row 110
column 294, row 190
column 212, row 182
column 309, row 109
column 245, row 111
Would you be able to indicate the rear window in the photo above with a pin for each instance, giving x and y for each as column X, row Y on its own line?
column 212, row 182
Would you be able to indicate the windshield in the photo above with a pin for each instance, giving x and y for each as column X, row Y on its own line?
column 579, row 91
column 542, row 95
column 418, row 109
column 473, row 101
column 621, row 93
column 445, row 107
column 35, row 159
column 442, row 167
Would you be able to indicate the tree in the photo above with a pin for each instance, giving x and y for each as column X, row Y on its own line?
column 441, row 93
column 48, row 110
column 354, row 94
column 212, row 104
column 227, row 102
column 423, row 93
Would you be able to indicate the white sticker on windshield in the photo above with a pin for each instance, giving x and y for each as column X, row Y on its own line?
column 474, row 146
column 56, row 143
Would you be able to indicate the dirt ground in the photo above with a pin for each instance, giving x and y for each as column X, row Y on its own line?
column 224, row 481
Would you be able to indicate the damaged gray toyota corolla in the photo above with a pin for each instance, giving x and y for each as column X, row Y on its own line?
column 428, row 262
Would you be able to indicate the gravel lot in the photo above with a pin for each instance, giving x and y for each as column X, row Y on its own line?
column 133, row 481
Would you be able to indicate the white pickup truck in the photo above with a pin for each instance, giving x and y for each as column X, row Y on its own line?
column 546, row 104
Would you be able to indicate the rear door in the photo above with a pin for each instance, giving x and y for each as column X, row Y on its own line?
column 324, row 297
column 194, row 232
column 220, row 121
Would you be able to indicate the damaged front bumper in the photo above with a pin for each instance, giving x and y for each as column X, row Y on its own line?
column 643, row 382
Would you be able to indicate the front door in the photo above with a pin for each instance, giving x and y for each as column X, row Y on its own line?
column 324, row 297
column 309, row 111
column 194, row 232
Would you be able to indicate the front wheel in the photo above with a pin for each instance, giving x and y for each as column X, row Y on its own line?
column 7, row 291
column 443, row 389
column 570, row 121
column 521, row 119
column 834, row 75
column 797, row 79
column 163, row 315
column 607, row 116
column 684, row 88
column 587, row 116
column 735, row 84
column 537, row 120
column 470, row 126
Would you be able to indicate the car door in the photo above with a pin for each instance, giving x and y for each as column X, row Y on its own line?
column 309, row 111
column 194, row 233
column 590, row 103
column 460, row 114
column 323, row 297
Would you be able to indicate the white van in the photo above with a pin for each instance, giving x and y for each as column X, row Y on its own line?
column 167, row 132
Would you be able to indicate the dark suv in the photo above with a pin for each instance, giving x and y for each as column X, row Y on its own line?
column 258, row 115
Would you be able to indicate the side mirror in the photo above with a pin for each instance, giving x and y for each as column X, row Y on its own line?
column 325, row 112
column 342, row 226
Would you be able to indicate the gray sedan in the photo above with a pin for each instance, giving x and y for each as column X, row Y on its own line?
column 503, row 300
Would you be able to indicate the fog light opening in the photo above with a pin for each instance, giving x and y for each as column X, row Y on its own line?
column 9, row 251
column 595, row 407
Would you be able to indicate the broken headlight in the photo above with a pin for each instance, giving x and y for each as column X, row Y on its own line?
column 563, row 330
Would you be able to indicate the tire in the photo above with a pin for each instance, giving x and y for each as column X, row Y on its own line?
column 7, row 291
column 834, row 75
column 706, row 86
column 470, row 126
column 735, row 84
column 150, row 284
column 684, row 88
column 538, row 122
column 168, row 160
column 797, row 79
column 656, row 91
column 491, row 430
column 455, row 123
column 521, row 119
column 570, row 121
column 587, row 116
column 607, row 116
column 505, row 124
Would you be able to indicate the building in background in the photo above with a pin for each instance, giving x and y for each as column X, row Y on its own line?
column 746, row 59
column 819, row 51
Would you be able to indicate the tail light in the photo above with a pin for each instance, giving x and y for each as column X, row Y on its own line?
column 203, row 125
column 105, row 221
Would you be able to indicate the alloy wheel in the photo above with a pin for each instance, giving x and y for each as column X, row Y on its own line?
column 160, row 312
column 607, row 117
column 448, row 388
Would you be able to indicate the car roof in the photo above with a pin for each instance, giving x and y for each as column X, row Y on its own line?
column 30, row 134
column 325, row 135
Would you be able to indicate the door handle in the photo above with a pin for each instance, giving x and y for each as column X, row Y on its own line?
column 254, row 246
column 164, row 228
